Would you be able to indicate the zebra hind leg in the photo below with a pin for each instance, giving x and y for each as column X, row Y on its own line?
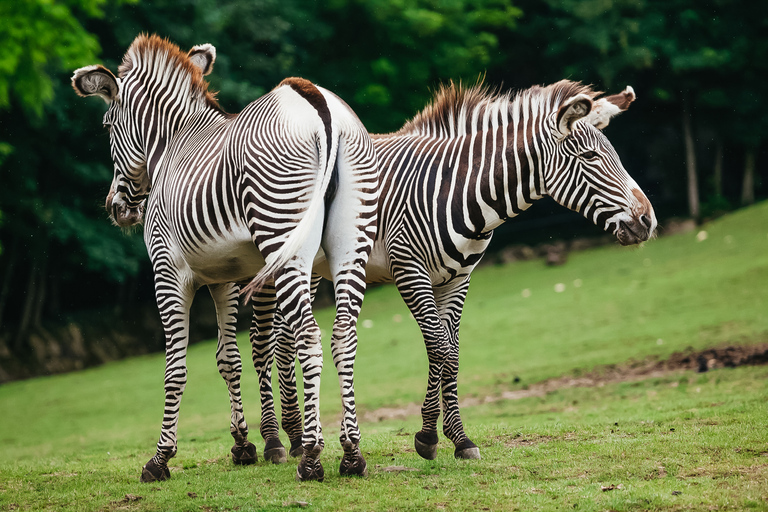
column 348, row 242
column 263, row 342
column 285, row 357
column 344, row 346
column 293, row 297
column 225, row 298
column 289, row 396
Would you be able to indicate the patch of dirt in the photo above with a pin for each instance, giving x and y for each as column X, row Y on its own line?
column 522, row 440
column 129, row 502
column 701, row 361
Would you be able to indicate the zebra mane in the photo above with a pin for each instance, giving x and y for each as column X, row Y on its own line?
column 457, row 110
column 159, row 56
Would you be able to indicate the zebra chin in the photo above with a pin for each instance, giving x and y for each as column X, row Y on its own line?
column 634, row 231
column 126, row 217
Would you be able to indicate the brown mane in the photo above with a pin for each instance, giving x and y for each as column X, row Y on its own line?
column 565, row 89
column 452, row 106
column 150, row 47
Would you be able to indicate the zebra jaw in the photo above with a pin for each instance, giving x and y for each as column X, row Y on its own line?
column 125, row 216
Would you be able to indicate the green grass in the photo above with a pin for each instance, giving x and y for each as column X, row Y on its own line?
column 681, row 441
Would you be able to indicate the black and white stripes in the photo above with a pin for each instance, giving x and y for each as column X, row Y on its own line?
column 236, row 198
column 467, row 163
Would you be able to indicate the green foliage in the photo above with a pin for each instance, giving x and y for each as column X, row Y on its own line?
column 386, row 55
column 258, row 42
column 380, row 56
column 592, row 40
column 39, row 38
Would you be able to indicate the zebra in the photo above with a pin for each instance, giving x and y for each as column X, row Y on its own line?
column 469, row 161
column 226, row 197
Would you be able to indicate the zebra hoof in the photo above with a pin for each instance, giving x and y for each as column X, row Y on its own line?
column 467, row 450
column 297, row 450
column 153, row 472
column 426, row 445
column 353, row 465
column 274, row 452
column 309, row 469
column 244, row 455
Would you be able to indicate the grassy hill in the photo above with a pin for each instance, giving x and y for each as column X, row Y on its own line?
column 78, row 440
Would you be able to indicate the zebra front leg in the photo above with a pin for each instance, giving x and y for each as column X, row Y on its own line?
column 173, row 303
column 226, row 298
column 293, row 297
column 450, row 302
column 417, row 293
column 263, row 342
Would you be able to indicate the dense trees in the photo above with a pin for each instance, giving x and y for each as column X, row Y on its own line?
column 694, row 140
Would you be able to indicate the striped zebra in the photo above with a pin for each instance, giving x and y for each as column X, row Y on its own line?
column 468, row 162
column 226, row 197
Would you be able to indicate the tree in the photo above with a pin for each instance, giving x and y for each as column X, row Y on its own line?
column 383, row 57
column 38, row 38
column 44, row 162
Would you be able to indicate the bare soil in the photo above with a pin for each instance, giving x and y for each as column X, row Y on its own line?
column 701, row 361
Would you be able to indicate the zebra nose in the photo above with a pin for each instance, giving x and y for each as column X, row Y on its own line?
column 645, row 221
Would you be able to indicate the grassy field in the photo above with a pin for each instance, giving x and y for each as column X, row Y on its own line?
column 669, row 442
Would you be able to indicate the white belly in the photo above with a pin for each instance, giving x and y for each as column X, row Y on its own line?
column 225, row 261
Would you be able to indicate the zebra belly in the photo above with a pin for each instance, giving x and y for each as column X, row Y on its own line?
column 224, row 261
column 377, row 270
column 235, row 261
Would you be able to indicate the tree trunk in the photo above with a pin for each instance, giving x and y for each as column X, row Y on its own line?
column 5, row 288
column 748, row 185
column 29, row 303
column 42, row 292
column 690, row 161
column 718, row 170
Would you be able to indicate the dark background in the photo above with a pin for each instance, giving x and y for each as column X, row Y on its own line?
column 76, row 291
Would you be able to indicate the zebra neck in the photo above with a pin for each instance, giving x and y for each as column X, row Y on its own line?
column 497, row 175
column 171, row 133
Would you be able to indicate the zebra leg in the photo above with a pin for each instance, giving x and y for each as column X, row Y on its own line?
column 348, row 241
column 289, row 396
column 283, row 348
column 417, row 293
column 450, row 302
column 173, row 303
column 226, row 297
column 263, row 342
column 349, row 292
column 293, row 296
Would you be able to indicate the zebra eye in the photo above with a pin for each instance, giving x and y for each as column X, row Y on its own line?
column 589, row 155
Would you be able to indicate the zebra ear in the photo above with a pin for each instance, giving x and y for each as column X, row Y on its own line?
column 571, row 111
column 605, row 108
column 96, row 80
column 203, row 56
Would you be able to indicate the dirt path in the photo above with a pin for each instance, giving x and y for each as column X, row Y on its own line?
column 699, row 361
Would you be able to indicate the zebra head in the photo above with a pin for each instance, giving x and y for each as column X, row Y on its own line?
column 136, row 135
column 585, row 174
column 130, row 182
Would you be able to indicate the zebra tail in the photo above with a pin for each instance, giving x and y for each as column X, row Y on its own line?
column 298, row 236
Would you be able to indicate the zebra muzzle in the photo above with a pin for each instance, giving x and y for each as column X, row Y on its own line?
column 125, row 216
column 633, row 232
